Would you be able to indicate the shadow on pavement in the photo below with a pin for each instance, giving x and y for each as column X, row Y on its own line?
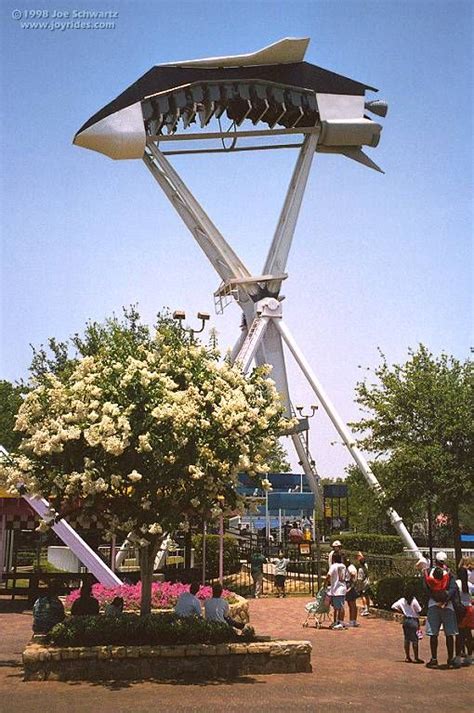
column 120, row 685
column 18, row 606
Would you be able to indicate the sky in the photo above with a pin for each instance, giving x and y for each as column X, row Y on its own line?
column 378, row 261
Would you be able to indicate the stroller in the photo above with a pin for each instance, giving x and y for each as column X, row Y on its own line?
column 319, row 609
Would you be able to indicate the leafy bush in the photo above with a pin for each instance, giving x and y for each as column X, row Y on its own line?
column 131, row 629
column 231, row 554
column 388, row 589
column 372, row 542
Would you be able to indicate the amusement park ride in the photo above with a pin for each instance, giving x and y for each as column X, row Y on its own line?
column 281, row 95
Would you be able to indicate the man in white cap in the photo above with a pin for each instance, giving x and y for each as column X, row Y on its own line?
column 336, row 548
column 442, row 588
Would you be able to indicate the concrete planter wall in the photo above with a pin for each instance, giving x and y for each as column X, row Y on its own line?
column 392, row 615
column 43, row 663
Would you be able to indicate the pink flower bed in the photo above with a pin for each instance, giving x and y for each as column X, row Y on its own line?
column 163, row 594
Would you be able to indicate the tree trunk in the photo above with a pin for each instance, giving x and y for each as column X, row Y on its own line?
column 147, row 557
column 457, row 535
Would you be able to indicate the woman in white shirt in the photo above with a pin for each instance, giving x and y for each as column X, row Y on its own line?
column 410, row 608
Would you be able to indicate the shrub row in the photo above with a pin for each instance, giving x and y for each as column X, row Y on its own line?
column 372, row 542
column 388, row 589
column 131, row 629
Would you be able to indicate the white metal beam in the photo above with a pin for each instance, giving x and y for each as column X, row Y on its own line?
column 224, row 260
column 77, row 545
column 273, row 354
column 344, row 433
column 278, row 254
column 246, row 134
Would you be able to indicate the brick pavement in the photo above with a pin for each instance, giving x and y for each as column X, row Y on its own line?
column 360, row 669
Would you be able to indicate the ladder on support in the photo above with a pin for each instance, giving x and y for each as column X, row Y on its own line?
column 251, row 342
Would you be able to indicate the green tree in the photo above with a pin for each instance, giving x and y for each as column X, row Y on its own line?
column 366, row 513
column 278, row 460
column 142, row 432
column 419, row 424
column 11, row 396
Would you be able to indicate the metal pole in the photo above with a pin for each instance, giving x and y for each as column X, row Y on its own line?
column 267, row 519
column 318, row 558
column 221, row 548
column 204, row 530
column 345, row 434
column 113, row 548
column 280, row 539
column 3, row 536
column 278, row 253
column 430, row 530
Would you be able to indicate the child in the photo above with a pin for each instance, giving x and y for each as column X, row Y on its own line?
column 410, row 608
column 438, row 582
column 281, row 571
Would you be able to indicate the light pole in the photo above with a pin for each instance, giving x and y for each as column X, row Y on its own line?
column 309, row 416
column 179, row 315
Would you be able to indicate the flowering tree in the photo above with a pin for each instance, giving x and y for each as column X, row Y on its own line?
column 141, row 432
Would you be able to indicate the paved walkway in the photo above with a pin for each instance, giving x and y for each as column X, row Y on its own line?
column 357, row 670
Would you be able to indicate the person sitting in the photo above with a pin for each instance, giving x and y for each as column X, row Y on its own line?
column 114, row 608
column 187, row 603
column 86, row 604
column 48, row 610
column 217, row 609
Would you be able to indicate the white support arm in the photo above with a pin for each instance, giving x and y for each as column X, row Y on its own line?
column 281, row 243
column 345, row 434
column 81, row 549
column 224, row 260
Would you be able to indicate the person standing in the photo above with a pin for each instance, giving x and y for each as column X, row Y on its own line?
column 409, row 606
column 351, row 593
column 256, row 570
column 363, row 583
column 336, row 549
column 441, row 587
column 281, row 571
column 464, row 643
column 336, row 579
